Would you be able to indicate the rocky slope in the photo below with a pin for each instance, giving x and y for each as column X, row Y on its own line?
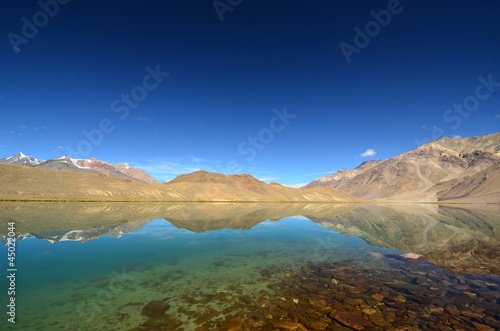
column 32, row 183
column 420, row 174
column 482, row 187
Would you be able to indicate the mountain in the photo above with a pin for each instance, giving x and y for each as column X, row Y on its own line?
column 21, row 159
column 91, row 166
column 34, row 183
column 65, row 163
column 95, row 166
column 203, row 185
column 135, row 173
column 420, row 174
column 481, row 187
column 343, row 176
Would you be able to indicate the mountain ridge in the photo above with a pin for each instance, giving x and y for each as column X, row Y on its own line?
column 418, row 175
column 90, row 165
column 37, row 184
column 446, row 169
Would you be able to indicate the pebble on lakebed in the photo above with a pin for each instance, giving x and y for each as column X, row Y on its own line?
column 344, row 296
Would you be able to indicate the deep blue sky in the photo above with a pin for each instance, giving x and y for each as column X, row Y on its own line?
column 226, row 77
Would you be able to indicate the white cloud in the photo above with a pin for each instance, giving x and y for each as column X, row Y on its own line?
column 368, row 152
column 60, row 147
column 296, row 185
column 456, row 136
column 497, row 116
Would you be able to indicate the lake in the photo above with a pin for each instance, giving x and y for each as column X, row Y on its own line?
column 249, row 266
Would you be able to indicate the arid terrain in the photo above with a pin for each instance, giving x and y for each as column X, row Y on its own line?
column 447, row 169
column 29, row 183
column 458, row 170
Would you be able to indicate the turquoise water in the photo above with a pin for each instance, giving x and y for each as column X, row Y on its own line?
column 253, row 278
column 159, row 261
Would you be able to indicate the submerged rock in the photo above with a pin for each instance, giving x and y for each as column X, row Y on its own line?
column 412, row 256
column 352, row 319
column 155, row 309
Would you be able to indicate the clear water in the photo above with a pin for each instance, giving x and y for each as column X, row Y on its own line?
column 207, row 277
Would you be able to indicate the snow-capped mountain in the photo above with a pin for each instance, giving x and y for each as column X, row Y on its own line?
column 65, row 163
column 21, row 159
column 92, row 165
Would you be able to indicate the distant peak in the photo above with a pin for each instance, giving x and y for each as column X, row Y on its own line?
column 20, row 154
column 123, row 165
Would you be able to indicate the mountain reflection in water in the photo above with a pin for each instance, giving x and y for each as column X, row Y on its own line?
column 455, row 237
column 249, row 266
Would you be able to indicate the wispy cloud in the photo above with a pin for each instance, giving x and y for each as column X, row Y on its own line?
column 368, row 152
column 497, row 116
column 168, row 168
column 60, row 147
column 455, row 136
column 199, row 159
column 165, row 170
column 267, row 179
column 21, row 129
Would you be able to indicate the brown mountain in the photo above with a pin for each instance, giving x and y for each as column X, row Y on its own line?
column 343, row 176
column 483, row 187
column 420, row 174
column 135, row 173
column 101, row 167
column 202, row 185
column 32, row 183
